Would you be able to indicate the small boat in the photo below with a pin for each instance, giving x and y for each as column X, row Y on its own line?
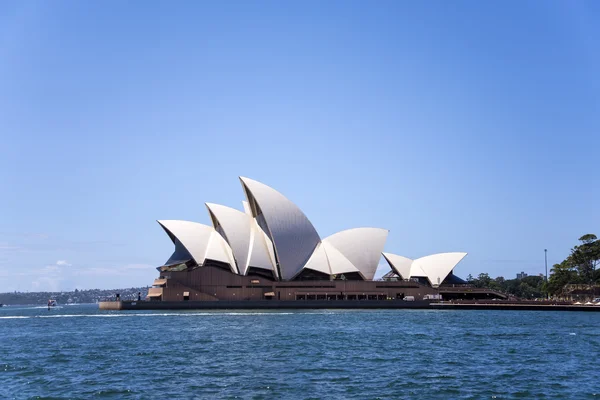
column 52, row 303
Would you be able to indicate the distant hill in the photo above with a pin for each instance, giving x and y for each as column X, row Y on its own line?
column 76, row 296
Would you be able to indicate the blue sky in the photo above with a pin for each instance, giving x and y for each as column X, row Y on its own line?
column 459, row 126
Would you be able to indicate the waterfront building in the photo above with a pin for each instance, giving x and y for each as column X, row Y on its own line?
column 271, row 250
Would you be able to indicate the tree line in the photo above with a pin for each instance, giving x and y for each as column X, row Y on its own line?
column 526, row 288
column 578, row 268
column 76, row 296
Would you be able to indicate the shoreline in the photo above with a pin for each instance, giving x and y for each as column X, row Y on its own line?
column 346, row 305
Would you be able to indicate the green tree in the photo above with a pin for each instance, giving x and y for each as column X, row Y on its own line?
column 585, row 257
column 533, row 281
column 525, row 291
column 535, row 285
column 561, row 275
column 497, row 284
column 512, row 286
column 483, row 280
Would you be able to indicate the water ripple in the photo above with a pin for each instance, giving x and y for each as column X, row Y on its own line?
column 83, row 353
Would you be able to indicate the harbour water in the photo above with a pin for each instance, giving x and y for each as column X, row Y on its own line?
column 79, row 352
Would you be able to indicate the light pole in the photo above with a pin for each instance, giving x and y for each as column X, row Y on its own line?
column 546, row 263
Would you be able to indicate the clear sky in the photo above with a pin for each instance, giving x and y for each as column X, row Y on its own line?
column 459, row 126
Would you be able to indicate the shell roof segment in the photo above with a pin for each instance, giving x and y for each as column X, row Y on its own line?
column 194, row 237
column 235, row 227
column 318, row 261
column 273, row 233
column 435, row 267
column 200, row 241
column 362, row 247
column 338, row 263
column 293, row 235
column 401, row 265
column 438, row 266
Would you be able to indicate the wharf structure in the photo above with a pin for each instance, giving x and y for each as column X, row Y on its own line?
column 270, row 251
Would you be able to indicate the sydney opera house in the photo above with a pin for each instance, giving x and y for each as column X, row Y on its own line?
column 271, row 251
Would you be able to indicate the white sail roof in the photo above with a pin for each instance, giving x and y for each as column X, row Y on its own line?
column 436, row 267
column 200, row 241
column 338, row 263
column 235, row 227
column 328, row 260
column 401, row 265
column 261, row 254
column 194, row 237
column 294, row 237
column 275, row 235
column 219, row 250
column 362, row 247
column 318, row 261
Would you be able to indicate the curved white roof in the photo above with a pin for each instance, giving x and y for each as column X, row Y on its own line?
column 338, row 263
column 436, row 267
column 235, row 226
column 194, row 237
column 274, row 234
column 319, row 261
column 328, row 260
column 362, row 247
column 416, row 270
column 293, row 236
column 247, row 209
column 261, row 253
column 200, row 241
column 219, row 250
column 400, row 265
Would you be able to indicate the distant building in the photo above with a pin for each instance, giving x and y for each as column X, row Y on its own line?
column 521, row 275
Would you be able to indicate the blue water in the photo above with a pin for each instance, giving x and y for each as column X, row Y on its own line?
column 79, row 352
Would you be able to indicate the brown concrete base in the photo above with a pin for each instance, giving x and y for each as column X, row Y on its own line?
column 260, row 305
column 110, row 305
column 332, row 304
